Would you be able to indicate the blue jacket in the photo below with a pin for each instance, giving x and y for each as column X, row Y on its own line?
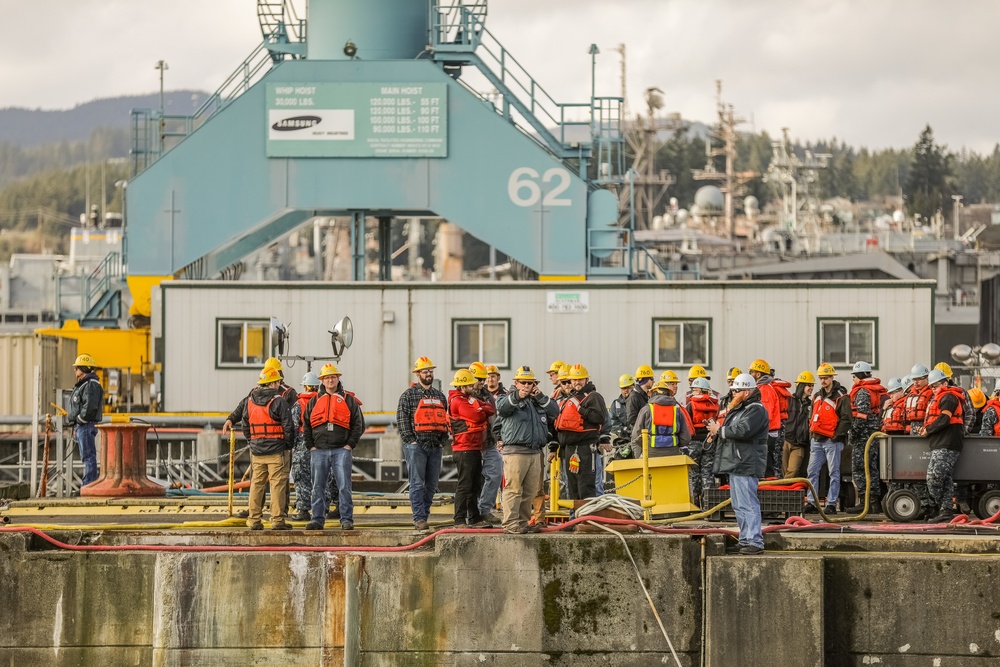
column 524, row 423
column 743, row 446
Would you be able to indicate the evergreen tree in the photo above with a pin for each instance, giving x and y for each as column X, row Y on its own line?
column 930, row 184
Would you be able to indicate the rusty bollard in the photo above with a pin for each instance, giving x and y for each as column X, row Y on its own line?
column 123, row 464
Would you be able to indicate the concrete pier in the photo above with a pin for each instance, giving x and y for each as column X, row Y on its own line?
column 511, row 601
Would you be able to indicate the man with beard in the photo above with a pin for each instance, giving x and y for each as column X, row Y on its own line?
column 578, row 428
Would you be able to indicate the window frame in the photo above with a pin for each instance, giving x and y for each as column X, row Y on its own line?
column 707, row 321
column 847, row 321
column 456, row 321
column 245, row 321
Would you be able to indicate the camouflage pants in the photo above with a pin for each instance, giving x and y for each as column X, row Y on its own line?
column 940, row 487
column 858, row 468
column 302, row 478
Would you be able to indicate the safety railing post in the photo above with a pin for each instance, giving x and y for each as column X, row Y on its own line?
column 647, row 482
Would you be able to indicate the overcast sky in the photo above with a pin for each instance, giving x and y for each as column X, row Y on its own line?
column 872, row 72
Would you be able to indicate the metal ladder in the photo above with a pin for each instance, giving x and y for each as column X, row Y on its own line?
column 283, row 31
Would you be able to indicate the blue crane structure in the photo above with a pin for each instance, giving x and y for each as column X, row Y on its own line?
column 360, row 109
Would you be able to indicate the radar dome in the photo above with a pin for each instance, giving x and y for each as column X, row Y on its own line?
column 695, row 210
column 709, row 198
column 681, row 216
column 751, row 205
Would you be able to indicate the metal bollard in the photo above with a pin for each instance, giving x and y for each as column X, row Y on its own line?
column 123, row 463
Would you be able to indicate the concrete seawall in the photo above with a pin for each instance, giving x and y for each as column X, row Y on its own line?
column 555, row 599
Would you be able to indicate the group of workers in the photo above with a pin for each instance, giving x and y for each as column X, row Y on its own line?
column 763, row 427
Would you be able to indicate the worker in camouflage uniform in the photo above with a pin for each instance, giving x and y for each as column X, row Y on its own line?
column 866, row 412
column 944, row 426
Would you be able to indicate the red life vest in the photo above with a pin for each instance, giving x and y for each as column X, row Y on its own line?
column 702, row 407
column 995, row 404
column 894, row 415
column 784, row 397
column 875, row 393
column 916, row 403
column 262, row 425
column 303, row 401
column 332, row 409
column 824, row 418
column 934, row 408
column 569, row 418
column 431, row 416
column 664, row 424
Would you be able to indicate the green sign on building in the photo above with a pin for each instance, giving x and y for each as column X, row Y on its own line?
column 357, row 120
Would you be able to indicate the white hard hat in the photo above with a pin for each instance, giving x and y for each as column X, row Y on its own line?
column 701, row 383
column 744, row 381
column 936, row 376
column 918, row 371
column 861, row 367
column 310, row 379
column 894, row 384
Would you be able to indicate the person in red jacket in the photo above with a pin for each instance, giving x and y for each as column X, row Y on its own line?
column 469, row 417
column 702, row 407
column 828, row 429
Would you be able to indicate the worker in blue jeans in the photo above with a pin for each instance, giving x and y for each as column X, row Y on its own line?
column 85, row 412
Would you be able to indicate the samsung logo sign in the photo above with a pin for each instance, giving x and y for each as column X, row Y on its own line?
column 296, row 123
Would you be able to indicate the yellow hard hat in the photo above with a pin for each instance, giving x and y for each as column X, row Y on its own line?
column 556, row 365
column 826, row 370
column 643, row 372
column 563, row 373
column 945, row 368
column 423, row 364
column 625, row 381
column 269, row 375
column 760, row 366
column 478, row 370
column 733, row 373
column 492, row 370
column 663, row 385
column 578, row 372
column 805, row 377
column 463, row 378
column 524, row 373
column 978, row 397
column 328, row 370
column 669, row 376
column 697, row 372
column 85, row 360
column 273, row 362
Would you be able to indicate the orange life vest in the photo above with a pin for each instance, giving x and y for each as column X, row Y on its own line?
column 784, row 397
column 569, row 418
column 431, row 416
column 262, row 425
column 875, row 393
column 331, row 409
column 995, row 404
column 824, row 419
column 934, row 408
column 703, row 407
column 664, row 424
column 303, row 401
column 894, row 415
column 916, row 403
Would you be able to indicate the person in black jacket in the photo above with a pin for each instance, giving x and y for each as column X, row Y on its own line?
column 578, row 427
column 742, row 453
column 268, row 427
column 796, row 450
column 332, row 426
column 86, row 411
column 944, row 426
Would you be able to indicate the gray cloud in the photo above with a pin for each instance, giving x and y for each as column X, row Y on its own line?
column 871, row 73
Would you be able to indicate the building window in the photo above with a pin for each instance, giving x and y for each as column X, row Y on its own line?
column 843, row 342
column 487, row 341
column 682, row 342
column 242, row 343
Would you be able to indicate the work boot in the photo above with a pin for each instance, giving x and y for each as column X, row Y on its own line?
column 876, row 508
column 480, row 524
column 944, row 516
column 333, row 515
column 421, row 525
column 857, row 509
column 281, row 526
column 517, row 530
column 830, row 509
column 301, row 515
column 809, row 508
column 347, row 525
column 257, row 526
column 533, row 528
column 243, row 514
column 751, row 550
column 314, row 525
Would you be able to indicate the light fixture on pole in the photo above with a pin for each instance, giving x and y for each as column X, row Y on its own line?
column 976, row 358
column 161, row 65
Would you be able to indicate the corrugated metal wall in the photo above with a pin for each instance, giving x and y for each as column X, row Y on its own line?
column 19, row 354
column 777, row 321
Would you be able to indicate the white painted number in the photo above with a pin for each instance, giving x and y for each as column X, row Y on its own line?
column 524, row 190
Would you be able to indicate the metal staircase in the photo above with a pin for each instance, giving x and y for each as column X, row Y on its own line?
column 100, row 294
column 283, row 31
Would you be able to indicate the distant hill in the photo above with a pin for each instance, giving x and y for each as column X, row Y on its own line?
column 34, row 127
